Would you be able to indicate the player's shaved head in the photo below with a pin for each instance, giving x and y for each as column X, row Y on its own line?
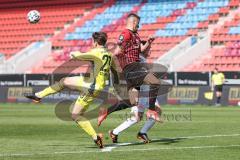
column 133, row 22
column 133, row 15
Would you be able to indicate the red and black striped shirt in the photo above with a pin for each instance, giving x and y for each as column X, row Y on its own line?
column 130, row 44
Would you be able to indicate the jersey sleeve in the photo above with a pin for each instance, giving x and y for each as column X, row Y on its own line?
column 88, row 56
column 124, row 38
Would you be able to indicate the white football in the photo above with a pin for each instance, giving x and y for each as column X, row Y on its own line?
column 33, row 16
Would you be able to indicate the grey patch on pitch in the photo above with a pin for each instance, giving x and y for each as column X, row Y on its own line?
column 63, row 110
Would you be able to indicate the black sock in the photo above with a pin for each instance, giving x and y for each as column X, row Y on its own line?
column 119, row 106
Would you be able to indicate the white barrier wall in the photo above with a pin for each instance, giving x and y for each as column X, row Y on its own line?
column 27, row 58
column 169, row 56
column 191, row 54
column 184, row 53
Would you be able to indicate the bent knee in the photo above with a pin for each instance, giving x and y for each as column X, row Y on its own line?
column 75, row 117
column 66, row 81
column 136, row 119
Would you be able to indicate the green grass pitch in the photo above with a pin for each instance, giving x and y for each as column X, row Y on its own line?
column 30, row 131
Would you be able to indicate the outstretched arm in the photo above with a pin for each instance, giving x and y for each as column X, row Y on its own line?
column 89, row 56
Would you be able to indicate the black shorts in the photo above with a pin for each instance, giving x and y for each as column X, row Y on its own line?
column 134, row 74
column 218, row 88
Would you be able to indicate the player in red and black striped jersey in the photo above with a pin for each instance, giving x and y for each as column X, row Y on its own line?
column 135, row 73
column 138, row 111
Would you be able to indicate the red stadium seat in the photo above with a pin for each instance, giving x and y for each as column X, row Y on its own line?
column 16, row 33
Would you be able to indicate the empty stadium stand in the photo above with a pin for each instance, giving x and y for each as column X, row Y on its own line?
column 170, row 21
column 224, row 53
column 16, row 33
column 79, row 36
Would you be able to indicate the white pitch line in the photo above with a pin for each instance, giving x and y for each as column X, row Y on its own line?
column 178, row 148
column 125, row 150
column 211, row 136
column 108, row 149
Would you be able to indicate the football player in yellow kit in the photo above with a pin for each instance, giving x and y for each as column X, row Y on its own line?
column 102, row 60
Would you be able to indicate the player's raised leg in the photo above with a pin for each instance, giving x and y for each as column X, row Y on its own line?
column 67, row 82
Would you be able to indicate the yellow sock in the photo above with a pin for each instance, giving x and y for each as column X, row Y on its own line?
column 87, row 127
column 47, row 91
column 51, row 90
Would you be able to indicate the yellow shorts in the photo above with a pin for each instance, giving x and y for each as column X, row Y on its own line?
column 91, row 91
